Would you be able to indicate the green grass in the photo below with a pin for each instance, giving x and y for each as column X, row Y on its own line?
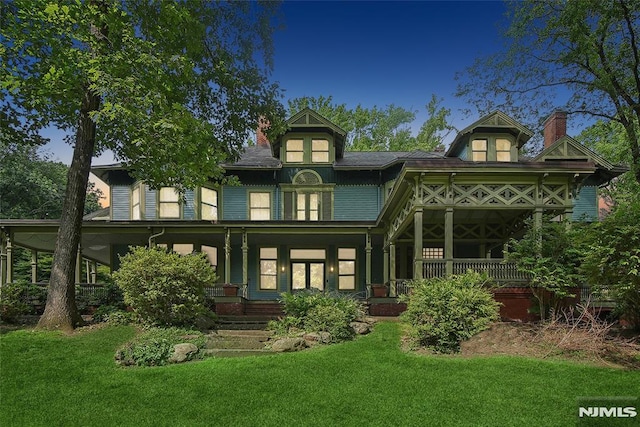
column 52, row 379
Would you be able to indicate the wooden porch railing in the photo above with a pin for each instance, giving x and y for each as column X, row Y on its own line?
column 497, row 269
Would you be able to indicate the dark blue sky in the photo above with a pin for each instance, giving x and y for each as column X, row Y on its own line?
column 374, row 53
column 380, row 53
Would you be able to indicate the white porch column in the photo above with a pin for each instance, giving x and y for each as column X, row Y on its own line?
column 227, row 256
column 448, row 241
column 392, row 269
column 245, row 258
column 417, row 244
column 34, row 266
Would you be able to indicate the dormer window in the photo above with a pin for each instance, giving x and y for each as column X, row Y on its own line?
column 479, row 150
column 319, row 151
column 307, row 150
column 295, row 151
column 503, row 150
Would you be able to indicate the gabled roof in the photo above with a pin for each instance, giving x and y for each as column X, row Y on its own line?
column 496, row 121
column 308, row 120
column 567, row 148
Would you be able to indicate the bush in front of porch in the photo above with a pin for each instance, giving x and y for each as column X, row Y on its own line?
column 443, row 312
column 164, row 288
column 318, row 312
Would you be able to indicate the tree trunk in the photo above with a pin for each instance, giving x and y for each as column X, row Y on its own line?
column 61, row 311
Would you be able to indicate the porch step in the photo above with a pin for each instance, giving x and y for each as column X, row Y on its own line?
column 237, row 343
column 243, row 322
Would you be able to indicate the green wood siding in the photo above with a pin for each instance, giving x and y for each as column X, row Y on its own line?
column 234, row 203
column 585, row 205
column 356, row 203
column 120, row 202
column 188, row 207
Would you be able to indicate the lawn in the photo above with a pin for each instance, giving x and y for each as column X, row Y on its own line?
column 52, row 379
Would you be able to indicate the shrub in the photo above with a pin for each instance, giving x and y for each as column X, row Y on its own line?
column 154, row 347
column 12, row 301
column 442, row 312
column 331, row 319
column 317, row 311
column 164, row 288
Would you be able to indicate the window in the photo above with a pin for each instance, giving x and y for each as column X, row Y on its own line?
column 308, row 207
column 432, row 253
column 295, row 151
column 212, row 254
column 269, row 268
column 259, row 206
column 208, row 204
column 346, row 269
column 182, row 248
column 479, row 150
column 319, row 151
column 136, row 211
column 169, row 203
column 503, row 150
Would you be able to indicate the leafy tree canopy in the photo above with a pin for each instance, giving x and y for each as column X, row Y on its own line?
column 582, row 56
column 380, row 129
column 31, row 186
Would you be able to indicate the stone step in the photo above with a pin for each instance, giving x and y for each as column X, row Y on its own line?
column 237, row 340
column 222, row 352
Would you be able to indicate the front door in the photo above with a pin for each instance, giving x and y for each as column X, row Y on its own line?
column 307, row 275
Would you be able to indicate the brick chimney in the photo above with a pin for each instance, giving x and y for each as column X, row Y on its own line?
column 555, row 127
column 261, row 138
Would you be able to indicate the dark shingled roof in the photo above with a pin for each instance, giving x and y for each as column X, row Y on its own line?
column 255, row 156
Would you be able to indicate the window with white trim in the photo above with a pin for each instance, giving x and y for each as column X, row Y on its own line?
column 346, row 269
column 269, row 268
column 168, row 203
column 259, row 206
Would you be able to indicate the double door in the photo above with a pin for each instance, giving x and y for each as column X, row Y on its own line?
column 307, row 275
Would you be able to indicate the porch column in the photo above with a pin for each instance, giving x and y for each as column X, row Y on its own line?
column 392, row 269
column 34, row 266
column 79, row 264
column 245, row 258
column 368, row 258
column 537, row 217
column 448, row 241
column 94, row 272
column 9, row 261
column 417, row 244
column 568, row 215
column 385, row 265
column 227, row 256
column 3, row 260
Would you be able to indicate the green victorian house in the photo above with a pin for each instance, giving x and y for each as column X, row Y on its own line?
column 309, row 214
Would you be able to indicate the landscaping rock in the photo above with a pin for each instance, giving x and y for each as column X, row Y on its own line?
column 320, row 337
column 182, row 352
column 361, row 328
column 289, row 344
